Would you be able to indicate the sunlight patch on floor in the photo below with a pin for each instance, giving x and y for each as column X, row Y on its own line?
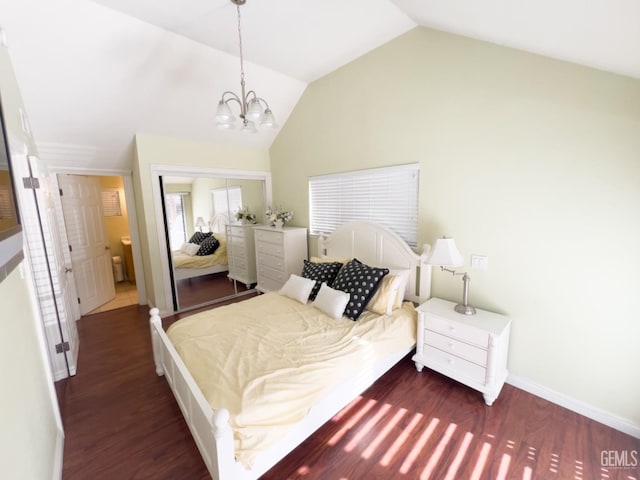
column 462, row 452
column 481, row 462
column 352, row 422
column 504, row 466
column 417, row 448
column 435, row 456
column 383, row 434
column 400, row 441
column 367, row 427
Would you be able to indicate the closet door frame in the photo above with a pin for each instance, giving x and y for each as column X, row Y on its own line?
column 158, row 171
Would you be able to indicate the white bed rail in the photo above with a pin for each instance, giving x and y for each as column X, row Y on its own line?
column 210, row 430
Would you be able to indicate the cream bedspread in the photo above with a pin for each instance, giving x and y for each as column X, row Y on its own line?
column 219, row 257
column 268, row 359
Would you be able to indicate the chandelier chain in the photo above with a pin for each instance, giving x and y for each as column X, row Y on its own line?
column 240, row 44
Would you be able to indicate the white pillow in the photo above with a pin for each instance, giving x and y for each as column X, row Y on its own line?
column 298, row 288
column 384, row 300
column 404, row 275
column 330, row 301
column 190, row 248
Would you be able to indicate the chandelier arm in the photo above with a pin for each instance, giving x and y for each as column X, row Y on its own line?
column 252, row 95
column 233, row 97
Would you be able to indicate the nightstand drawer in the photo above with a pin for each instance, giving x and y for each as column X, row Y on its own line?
column 453, row 364
column 454, row 347
column 459, row 331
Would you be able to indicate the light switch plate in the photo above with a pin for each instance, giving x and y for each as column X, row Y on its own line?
column 479, row 262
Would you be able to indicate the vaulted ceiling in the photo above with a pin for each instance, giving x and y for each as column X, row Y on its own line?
column 93, row 73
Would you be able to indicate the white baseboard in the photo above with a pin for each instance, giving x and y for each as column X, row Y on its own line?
column 56, row 473
column 623, row 424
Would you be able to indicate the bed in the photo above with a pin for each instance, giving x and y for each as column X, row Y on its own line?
column 189, row 266
column 211, row 427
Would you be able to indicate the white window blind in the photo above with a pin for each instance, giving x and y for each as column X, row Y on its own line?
column 388, row 196
column 176, row 219
column 111, row 203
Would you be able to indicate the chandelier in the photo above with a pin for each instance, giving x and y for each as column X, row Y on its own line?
column 253, row 109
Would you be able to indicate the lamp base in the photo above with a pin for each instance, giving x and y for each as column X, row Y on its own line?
column 465, row 309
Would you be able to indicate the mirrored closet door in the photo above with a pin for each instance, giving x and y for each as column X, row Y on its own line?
column 209, row 237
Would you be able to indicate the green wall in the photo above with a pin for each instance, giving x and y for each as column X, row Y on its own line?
column 30, row 427
column 531, row 161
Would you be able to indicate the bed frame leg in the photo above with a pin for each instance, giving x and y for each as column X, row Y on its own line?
column 224, row 444
column 156, row 323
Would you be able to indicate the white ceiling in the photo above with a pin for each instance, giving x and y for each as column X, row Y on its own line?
column 94, row 72
column 308, row 39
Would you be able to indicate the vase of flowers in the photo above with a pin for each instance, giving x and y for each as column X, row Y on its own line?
column 278, row 217
column 244, row 216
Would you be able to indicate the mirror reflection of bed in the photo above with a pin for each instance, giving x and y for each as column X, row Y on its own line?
column 198, row 211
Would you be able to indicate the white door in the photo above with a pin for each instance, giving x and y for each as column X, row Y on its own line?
column 53, row 284
column 90, row 255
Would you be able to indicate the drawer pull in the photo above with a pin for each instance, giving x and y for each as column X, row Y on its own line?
column 452, row 346
column 450, row 361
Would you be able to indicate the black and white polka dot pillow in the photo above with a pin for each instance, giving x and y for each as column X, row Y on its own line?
column 321, row 273
column 208, row 246
column 360, row 281
column 198, row 237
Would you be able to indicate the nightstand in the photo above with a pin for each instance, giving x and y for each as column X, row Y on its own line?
column 471, row 349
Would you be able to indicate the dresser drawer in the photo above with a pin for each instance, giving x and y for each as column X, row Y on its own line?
column 273, row 249
column 278, row 276
column 268, row 285
column 236, row 242
column 276, row 263
column 270, row 236
column 455, row 347
column 238, row 260
column 460, row 331
column 455, row 366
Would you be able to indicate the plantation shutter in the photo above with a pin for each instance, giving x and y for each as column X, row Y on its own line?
column 388, row 196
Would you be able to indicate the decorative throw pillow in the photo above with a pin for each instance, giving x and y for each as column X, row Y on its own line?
column 360, row 281
column 297, row 288
column 198, row 237
column 320, row 272
column 330, row 301
column 208, row 246
column 190, row 248
column 382, row 302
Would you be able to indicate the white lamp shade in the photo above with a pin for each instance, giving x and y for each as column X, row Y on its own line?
column 268, row 120
column 224, row 116
column 200, row 222
column 445, row 254
column 254, row 111
column 249, row 127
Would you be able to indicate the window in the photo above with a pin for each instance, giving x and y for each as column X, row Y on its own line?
column 226, row 201
column 111, row 203
column 388, row 196
column 176, row 220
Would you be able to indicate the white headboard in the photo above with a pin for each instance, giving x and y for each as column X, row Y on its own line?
column 378, row 246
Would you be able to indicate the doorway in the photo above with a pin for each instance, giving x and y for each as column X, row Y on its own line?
column 108, row 279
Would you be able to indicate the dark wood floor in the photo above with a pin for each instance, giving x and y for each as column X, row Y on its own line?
column 199, row 290
column 121, row 422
